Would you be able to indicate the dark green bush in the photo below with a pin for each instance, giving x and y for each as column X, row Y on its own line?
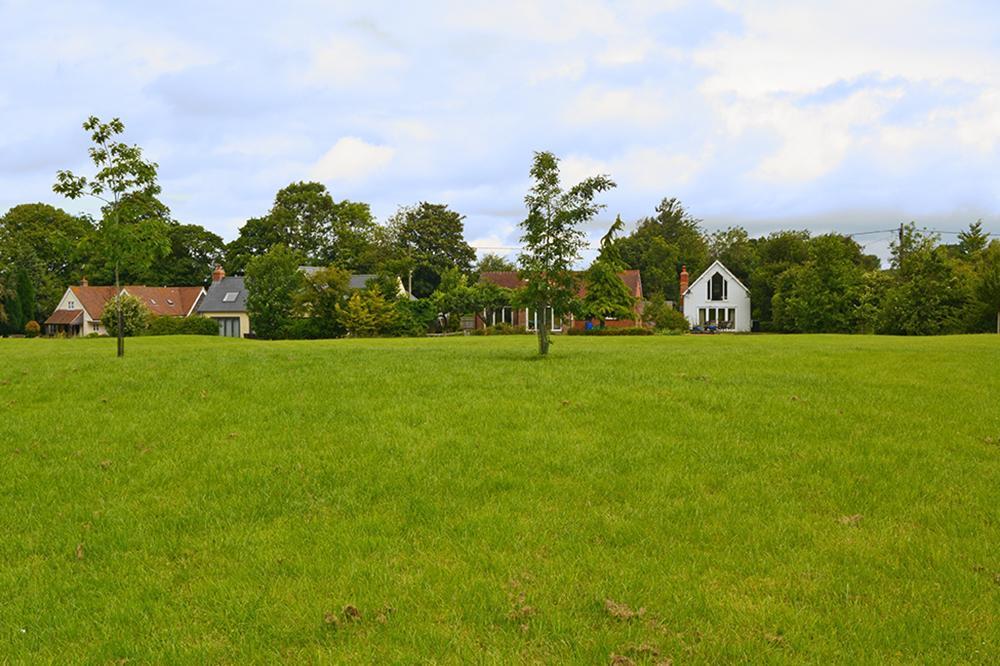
column 181, row 326
column 303, row 328
column 631, row 330
column 413, row 318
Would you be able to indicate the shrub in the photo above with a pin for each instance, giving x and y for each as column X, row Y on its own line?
column 664, row 316
column 181, row 326
column 304, row 328
column 135, row 315
column 631, row 330
column 32, row 329
column 413, row 318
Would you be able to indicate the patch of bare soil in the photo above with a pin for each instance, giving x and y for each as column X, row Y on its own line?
column 621, row 611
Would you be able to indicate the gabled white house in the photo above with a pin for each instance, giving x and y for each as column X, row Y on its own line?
column 716, row 298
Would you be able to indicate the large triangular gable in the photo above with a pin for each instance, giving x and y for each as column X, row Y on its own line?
column 716, row 265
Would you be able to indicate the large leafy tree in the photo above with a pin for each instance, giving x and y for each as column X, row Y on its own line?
column 429, row 238
column 776, row 254
column 45, row 241
column 661, row 244
column 988, row 289
column 607, row 295
column 552, row 239
column 824, row 293
column 494, row 263
column 131, row 232
column 19, row 302
column 734, row 248
column 193, row 253
column 273, row 280
column 306, row 219
column 925, row 296
column 320, row 295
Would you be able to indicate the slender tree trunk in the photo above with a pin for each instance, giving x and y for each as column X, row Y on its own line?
column 118, row 315
column 998, row 322
column 543, row 332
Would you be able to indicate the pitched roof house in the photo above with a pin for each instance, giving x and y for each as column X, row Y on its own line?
column 528, row 318
column 226, row 303
column 716, row 298
column 80, row 309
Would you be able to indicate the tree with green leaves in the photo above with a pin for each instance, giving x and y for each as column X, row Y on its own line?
column 46, row 242
column 972, row 241
column 988, row 289
column 193, row 252
column 127, row 312
column 925, row 296
column 493, row 263
column 367, row 314
column 429, row 238
column 272, row 281
column 19, row 301
column 306, row 219
column 322, row 292
column 607, row 295
column 131, row 232
column 552, row 239
column 661, row 244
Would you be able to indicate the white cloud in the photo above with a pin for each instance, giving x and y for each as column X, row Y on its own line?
column 637, row 169
column 347, row 60
column 792, row 45
column 644, row 106
column 352, row 159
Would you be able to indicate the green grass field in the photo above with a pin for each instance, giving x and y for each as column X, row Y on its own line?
column 705, row 499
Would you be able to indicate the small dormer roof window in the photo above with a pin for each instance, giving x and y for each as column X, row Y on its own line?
column 230, row 297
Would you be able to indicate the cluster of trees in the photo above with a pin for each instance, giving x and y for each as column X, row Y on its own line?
column 798, row 282
column 826, row 283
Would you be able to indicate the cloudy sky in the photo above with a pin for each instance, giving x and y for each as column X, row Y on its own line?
column 842, row 115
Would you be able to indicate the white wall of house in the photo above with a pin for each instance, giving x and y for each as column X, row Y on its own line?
column 70, row 302
column 731, row 303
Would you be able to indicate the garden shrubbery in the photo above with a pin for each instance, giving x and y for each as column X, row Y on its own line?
column 631, row 330
column 181, row 326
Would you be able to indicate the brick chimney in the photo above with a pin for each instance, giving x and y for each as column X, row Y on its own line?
column 218, row 273
column 83, row 282
column 684, row 285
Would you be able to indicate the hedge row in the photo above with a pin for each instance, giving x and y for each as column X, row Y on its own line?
column 633, row 330
column 181, row 326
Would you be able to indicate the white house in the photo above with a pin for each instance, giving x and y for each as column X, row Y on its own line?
column 716, row 298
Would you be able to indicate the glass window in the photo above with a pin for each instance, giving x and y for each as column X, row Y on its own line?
column 717, row 288
column 702, row 316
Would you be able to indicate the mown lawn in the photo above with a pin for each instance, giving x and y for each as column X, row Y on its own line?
column 705, row 499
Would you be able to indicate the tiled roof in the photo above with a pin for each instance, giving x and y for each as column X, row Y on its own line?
column 65, row 317
column 167, row 301
column 92, row 299
column 215, row 299
column 510, row 280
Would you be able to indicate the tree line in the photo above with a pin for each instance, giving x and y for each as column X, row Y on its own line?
column 799, row 282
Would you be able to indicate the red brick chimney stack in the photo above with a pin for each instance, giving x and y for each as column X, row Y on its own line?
column 218, row 273
column 684, row 284
column 83, row 282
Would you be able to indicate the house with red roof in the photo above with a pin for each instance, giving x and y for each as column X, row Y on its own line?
column 80, row 309
column 527, row 318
